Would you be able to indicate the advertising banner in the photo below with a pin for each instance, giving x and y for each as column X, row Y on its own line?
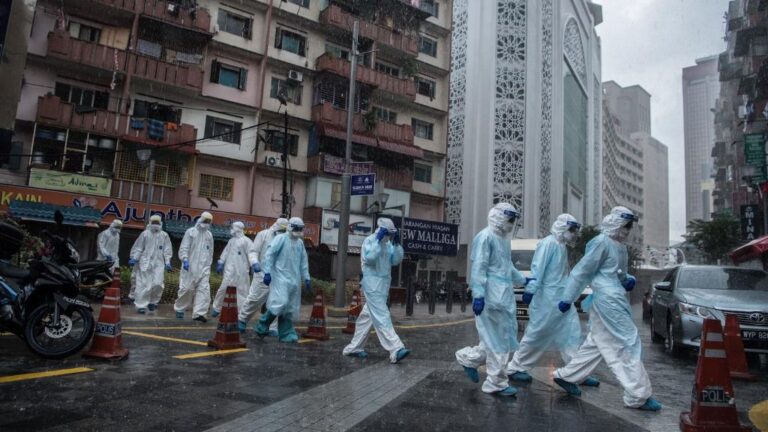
column 360, row 227
column 70, row 182
column 428, row 237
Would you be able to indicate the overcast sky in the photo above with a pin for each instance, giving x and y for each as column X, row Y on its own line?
column 649, row 42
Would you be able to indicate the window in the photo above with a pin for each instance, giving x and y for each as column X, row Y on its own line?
column 10, row 151
column 275, row 142
column 290, row 41
column 343, row 53
column 156, row 111
column 387, row 69
column 292, row 92
column 302, row 3
column 82, row 97
column 429, row 6
column 422, row 172
column 385, row 115
column 84, row 32
column 426, row 87
column 230, row 76
column 235, row 24
column 222, row 129
column 422, row 129
column 335, row 194
column 216, row 187
column 428, row 46
column 336, row 94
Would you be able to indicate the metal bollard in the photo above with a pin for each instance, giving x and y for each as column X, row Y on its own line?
column 432, row 297
column 409, row 295
column 449, row 300
column 463, row 297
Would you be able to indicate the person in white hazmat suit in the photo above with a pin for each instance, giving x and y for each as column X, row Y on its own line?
column 612, row 335
column 380, row 252
column 150, row 255
column 233, row 262
column 285, row 267
column 196, row 255
column 257, row 294
column 548, row 328
column 108, row 244
column 492, row 279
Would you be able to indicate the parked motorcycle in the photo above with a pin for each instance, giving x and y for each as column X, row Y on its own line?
column 95, row 277
column 40, row 304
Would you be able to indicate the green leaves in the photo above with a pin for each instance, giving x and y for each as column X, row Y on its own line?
column 714, row 238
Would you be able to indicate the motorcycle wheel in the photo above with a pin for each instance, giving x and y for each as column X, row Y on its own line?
column 74, row 331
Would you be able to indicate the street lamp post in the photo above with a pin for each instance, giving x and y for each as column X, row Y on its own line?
column 145, row 155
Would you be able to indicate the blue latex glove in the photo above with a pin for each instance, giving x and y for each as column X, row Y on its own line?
column 478, row 305
column 629, row 283
column 308, row 286
column 529, row 280
column 131, row 262
column 256, row 268
column 109, row 258
column 220, row 267
column 267, row 279
column 168, row 267
column 563, row 306
column 381, row 233
column 527, row 297
column 396, row 238
column 185, row 265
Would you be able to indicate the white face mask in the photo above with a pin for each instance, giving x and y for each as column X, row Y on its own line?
column 623, row 234
column 204, row 226
column 297, row 234
column 569, row 238
column 154, row 228
column 115, row 231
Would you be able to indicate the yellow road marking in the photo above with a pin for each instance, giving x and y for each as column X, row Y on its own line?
column 418, row 326
column 758, row 414
column 210, row 353
column 36, row 375
column 163, row 338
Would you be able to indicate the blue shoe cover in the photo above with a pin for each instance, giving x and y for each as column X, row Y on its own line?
column 242, row 326
column 291, row 338
column 571, row 388
column 359, row 354
column 509, row 391
column 591, row 382
column 179, row 315
column 651, row 404
column 152, row 307
column 214, row 313
column 472, row 374
column 273, row 333
column 521, row 377
column 403, row 353
column 141, row 311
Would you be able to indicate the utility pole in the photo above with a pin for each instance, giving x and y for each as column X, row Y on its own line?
column 341, row 265
column 150, row 180
column 286, row 196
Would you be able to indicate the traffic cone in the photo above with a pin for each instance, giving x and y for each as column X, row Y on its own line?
column 353, row 312
column 734, row 347
column 713, row 406
column 108, row 337
column 316, row 328
column 227, row 333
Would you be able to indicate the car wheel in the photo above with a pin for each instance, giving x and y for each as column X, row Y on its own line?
column 655, row 338
column 671, row 346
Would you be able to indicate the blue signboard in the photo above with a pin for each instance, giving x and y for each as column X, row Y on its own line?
column 362, row 184
column 425, row 237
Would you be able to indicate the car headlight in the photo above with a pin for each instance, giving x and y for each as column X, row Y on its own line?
column 698, row 311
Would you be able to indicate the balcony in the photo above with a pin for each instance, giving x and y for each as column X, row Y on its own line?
column 167, row 12
column 385, row 82
column 334, row 165
column 62, row 46
column 163, row 195
column 335, row 16
column 395, row 179
column 53, row 112
column 391, row 137
column 178, row 137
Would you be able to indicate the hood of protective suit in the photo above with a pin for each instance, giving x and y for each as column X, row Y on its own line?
column 238, row 229
column 499, row 219
column 386, row 224
column 561, row 228
column 115, row 226
column 204, row 222
column 155, row 223
column 281, row 224
column 296, row 227
column 613, row 223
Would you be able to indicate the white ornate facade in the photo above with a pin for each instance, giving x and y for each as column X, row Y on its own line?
column 510, row 84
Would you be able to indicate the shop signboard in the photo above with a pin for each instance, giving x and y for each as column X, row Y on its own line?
column 426, row 237
column 70, row 182
column 360, row 227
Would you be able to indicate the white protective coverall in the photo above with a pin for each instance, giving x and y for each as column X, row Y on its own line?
column 195, row 284
column 493, row 277
column 108, row 243
column 377, row 258
column 612, row 333
column 152, row 252
column 548, row 328
column 234, row 257
column 257, row 294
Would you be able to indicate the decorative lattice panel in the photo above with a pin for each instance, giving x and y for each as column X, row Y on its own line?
column 545, row 169
column 455, row 150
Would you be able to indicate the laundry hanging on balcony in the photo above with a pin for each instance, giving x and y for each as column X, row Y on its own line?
column 155, row 129
column 137, row 124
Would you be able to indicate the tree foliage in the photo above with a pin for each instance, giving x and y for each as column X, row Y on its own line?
column 714, row 238
column 588, row 232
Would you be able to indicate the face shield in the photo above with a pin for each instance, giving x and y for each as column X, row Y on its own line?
column 296, row 228
column 572, row 233
column 626, row 228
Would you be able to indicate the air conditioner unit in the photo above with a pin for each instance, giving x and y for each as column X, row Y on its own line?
column 295, row 76
column 273, row 160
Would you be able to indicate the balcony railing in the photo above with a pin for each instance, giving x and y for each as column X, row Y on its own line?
column 395, row 179
column 335, row 16
column 197, row 19
column 329, row 115
column 334, row 165
column 164, row 195
column 177, row 137
column 385, row 82
column 52, row 111
column 62, row 46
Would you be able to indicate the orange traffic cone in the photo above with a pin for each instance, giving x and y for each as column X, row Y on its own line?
column 108, row 338
column 316, row 328
column 353, row 312
column 227, row 334
column 734, row 347
column 713, row 406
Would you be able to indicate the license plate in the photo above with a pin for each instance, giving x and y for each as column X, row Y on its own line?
column 753, row 335
column 522, row 312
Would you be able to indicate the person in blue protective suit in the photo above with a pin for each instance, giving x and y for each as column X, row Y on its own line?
column 196, row 255
column 612, row 336
column 233, row 262
column 548, row 328
column 150, row 257
column 285, row 269
column 381, row 251
column 492, row 279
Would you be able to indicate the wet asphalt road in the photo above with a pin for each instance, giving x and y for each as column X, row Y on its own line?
column 311, row 386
